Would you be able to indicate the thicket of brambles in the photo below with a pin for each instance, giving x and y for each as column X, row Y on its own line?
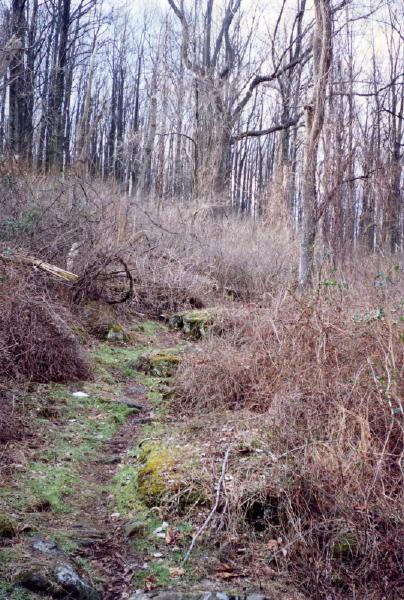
column 251, row 165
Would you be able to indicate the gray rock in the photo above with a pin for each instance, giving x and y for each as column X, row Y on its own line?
column 45, row 546
column 51, row 572
column 135, row 528
column 74, row 584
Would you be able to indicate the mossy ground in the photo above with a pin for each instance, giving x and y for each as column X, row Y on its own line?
column 164, row 482
column 49, row 490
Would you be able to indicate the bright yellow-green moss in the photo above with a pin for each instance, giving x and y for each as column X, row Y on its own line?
column 163, row 363
column 153, row 476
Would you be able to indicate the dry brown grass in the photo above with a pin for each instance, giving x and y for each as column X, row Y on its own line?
column 13, row 425
column 326, row 377
column 36, row 339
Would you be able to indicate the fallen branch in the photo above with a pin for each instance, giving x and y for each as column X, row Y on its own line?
column 24, row 259
column 94, row 273
column 214, row 509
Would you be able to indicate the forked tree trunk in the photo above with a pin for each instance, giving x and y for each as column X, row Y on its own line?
column 322, row 54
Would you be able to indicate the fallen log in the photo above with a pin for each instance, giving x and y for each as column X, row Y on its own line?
column 85, row 284
column 24, row 259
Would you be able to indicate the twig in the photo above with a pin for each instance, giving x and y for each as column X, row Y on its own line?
column 214, row 509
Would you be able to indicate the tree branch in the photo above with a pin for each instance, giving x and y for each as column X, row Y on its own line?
column 258, row 79
column 273, row 129
column 227, row 21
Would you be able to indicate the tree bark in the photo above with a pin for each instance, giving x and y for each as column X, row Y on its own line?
column 315, row 113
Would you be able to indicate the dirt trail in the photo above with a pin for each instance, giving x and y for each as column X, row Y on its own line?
column 106, row 546
column 60, row 478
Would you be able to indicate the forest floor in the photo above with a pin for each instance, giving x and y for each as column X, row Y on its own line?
column 70, row 487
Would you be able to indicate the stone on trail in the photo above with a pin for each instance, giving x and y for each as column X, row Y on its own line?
column 74, row 584
column 160, row 363
column 49, row 571
column 195, row 323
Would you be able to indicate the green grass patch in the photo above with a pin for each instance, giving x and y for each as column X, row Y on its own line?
column 151, row 328
column 113, row 356
column 52, row 484
column 158, row 573
column 124, row 489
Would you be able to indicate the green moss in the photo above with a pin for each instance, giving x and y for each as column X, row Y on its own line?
column 153, row 475
column 158, row 573
column 110, row 359
column 64, row 541
column 160, row 363
column 124, row 490
column 117, row 333
column 8, row 526
column 7, row 557
column 150, row 328
column 9, row 592
column 195, row 323
column 51, row 485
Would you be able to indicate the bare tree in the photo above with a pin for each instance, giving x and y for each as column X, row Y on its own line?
column 315, row 113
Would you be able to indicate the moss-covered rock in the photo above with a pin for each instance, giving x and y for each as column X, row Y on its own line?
column 117, row 333
column 8, row 526
column 168, row 472
column 43, row 568
column 161, row 363
column 100, row 320
column 155, row 474
column 195, row 323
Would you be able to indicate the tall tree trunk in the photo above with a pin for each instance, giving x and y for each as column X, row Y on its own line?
column 17, row 108
column 56, row 133
column 315, row 112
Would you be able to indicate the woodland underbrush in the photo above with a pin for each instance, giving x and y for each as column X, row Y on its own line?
column 37, row 338
column 321, row 379
column 305, row 389
column 180, row 256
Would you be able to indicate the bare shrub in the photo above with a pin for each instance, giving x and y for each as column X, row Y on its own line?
column 63, row 219
column 163, row 285
column 234, row 258
column 36, row 339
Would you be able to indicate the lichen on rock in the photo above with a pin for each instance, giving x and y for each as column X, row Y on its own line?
column 160, row 363
column 195, row 323
column 117, row 333
column 154, row 475
column 168, row 472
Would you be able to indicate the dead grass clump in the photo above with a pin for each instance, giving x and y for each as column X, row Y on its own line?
column 36, row 340
column 215, row 374
column 164, row 285
column 328, row 380
column 231, row 257
column 13, row 426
